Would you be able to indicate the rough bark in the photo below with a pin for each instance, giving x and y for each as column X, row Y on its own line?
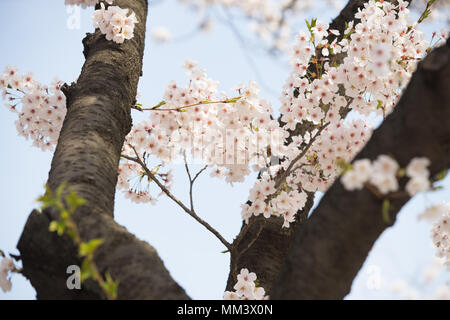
column 267, row 254
column 333, row 243
column 87, row 157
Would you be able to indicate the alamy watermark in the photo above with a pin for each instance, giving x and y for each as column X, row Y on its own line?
column 74, row 20
column 74, row 280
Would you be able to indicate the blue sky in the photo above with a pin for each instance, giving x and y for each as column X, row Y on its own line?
column 36, row 38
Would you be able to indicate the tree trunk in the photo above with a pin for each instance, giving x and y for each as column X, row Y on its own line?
column 87, row 157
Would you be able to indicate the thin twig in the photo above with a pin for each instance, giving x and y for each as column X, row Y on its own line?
column 192, row 180
column 288, row 171
column 198, row 173
column 192, row 213
column 180, row 109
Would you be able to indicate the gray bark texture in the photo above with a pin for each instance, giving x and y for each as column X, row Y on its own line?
column 87, row 157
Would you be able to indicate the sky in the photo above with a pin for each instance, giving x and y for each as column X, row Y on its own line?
column 36, row 38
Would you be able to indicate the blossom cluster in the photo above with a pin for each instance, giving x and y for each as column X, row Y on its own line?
column 381, row 53
column 315, row 171
column 115, row 23
column 40, row 109
column 226, row 133
column 161, row 34
column 439, row 216
column 338, row 142
column 430, row 273
column 246, row 288
column 433, row 213
column 6, row 266
column 233, row 135
column 384, row 173
column 270, row 20
column 440, row 235
column 285, row 203
column 85, row 3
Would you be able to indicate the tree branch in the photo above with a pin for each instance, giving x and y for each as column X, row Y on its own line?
column 332, row 245
column 191, row 211
column 267, row 254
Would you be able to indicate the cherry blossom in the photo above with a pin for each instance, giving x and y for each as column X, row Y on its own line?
column 6, row 266
column 40, row 109
column 440, row 235
column 439, row 216
column 115, row 23
column 384, row 175
column 269, row 20
column 235, row 134
column 431, row 272
column 432, row 213
column 161, row 34
column 229, row 134
column 246, row 288
column 355, row 179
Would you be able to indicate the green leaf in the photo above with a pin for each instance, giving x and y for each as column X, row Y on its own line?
column 401, row 173
column 385, row 211
column 441, row 175
column 380, row 104
column 53, row 226
column 65, row 215
column 159, row 105
column 71, row 234
column 74, row 201
column 308, row 25
column 110, row 286
column 344, row 165
column 87, row 271
column 60, row 190
column 88, row 248
column 60, row 228
column 46, row 199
